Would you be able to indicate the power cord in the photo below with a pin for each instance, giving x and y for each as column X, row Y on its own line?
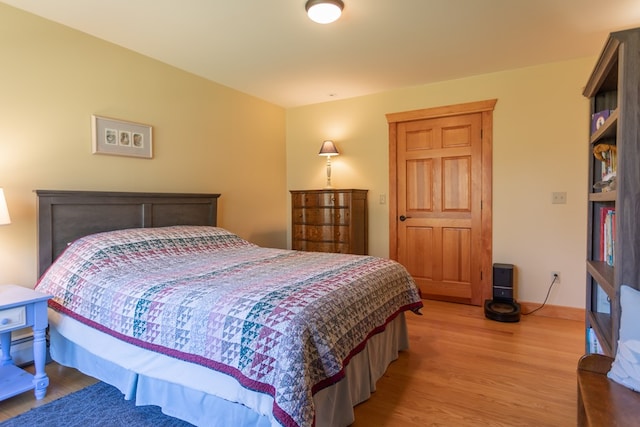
column 555, row 277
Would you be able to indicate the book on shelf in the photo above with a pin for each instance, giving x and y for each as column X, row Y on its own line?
column 594, row 344
column 603, row 302
column 609, row 165
column 607, row 234
column 598, row 119
column 607, row 155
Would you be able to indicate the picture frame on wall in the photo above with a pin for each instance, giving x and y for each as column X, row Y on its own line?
column 121, row 137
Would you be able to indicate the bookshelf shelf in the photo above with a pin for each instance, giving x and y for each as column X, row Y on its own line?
column 603, row 274
column 601, row 323
column 613, row 234
column 603, row 196
column 608, row 129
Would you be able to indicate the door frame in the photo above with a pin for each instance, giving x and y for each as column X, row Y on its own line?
column 486, row 109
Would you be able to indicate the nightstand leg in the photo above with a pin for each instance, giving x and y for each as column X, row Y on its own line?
column 5, row 342
column 40, row 379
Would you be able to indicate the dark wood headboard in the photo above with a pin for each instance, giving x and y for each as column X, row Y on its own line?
column 64, row 216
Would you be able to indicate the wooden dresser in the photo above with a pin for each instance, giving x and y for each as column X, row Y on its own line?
column 330, row 221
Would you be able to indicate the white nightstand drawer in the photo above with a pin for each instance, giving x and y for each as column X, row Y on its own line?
column 13, row 318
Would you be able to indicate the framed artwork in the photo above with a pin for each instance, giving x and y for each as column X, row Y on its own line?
column 121, row 138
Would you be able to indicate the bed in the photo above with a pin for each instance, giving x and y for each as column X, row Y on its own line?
column 152, row 297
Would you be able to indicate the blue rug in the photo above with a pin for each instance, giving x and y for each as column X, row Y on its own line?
column 97, row 405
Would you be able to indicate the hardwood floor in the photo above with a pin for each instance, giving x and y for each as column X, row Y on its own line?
column 62, row 381
column 462, row 370
column 465, row 370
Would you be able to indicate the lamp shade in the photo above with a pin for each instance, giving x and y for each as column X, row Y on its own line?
column 324, row 11
column 4, row 212
column 328, row 149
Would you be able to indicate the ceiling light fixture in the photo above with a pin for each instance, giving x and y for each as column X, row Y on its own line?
column 324, row 11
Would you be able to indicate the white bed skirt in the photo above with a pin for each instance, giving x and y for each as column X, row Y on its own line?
column 205, row 397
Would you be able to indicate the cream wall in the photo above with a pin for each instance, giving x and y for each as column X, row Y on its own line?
column 540, row 146
column 207, row 138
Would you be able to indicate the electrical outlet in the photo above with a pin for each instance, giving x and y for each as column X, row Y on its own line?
column 555, row 275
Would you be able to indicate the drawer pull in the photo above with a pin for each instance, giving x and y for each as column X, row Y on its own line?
column 5, row 321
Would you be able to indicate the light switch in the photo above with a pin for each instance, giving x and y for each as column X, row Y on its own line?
column 559, row 197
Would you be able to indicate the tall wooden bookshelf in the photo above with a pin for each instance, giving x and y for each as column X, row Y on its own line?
column 613, row 88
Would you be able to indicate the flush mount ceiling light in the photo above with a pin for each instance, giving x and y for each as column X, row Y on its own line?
column 324, row 11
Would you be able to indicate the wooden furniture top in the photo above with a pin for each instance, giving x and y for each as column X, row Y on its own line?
column 603, row 402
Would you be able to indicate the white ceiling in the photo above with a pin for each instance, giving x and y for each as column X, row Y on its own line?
column 270, row 49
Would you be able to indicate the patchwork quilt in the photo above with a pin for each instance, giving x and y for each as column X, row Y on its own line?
column 281, row 322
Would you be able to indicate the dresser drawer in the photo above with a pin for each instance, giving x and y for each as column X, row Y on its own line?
column 317, row 216
column 13, row 318
column 320, row 233
column 303, row 200
column 329, row 199
column 306, row 245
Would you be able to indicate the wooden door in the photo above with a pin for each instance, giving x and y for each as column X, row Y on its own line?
column 440, row 212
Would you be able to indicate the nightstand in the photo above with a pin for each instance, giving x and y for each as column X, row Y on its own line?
column 20, row 308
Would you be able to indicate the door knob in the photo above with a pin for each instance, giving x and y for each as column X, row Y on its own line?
column 404, row 218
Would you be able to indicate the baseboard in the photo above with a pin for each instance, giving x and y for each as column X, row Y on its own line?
column 556, row 311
